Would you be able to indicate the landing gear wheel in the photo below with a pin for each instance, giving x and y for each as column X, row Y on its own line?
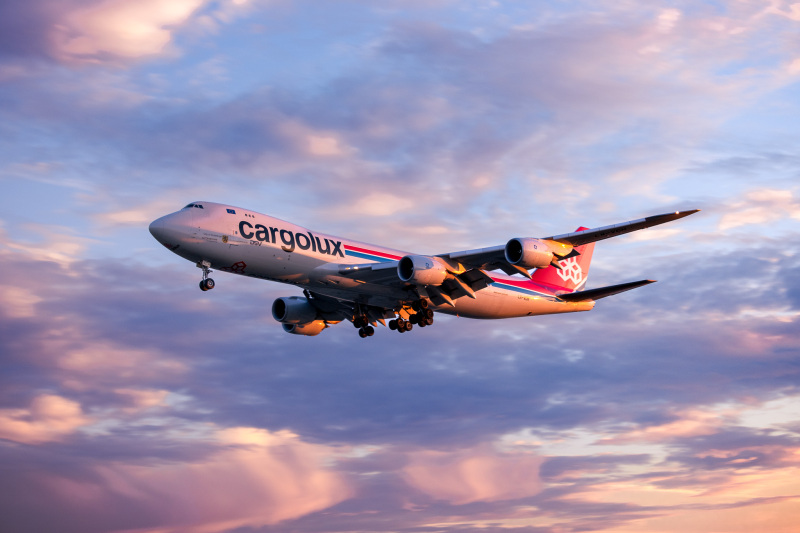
column 429, row 321
column 393, row 325
column 362, row 333
column 401, row 325
column 370, row 331
column 409, row 326
column 414, row 319
column 207, row 284
column 417, row 305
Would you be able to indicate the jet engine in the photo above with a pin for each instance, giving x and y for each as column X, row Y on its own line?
column 309, row 329
column 422, row 270
column 534, row 253
column 294, row 310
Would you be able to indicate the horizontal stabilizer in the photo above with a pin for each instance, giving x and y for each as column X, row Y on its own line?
column 602, row 292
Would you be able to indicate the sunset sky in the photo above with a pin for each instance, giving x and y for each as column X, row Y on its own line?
column 130, row 401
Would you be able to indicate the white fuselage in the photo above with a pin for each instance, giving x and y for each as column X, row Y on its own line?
column 236, row 240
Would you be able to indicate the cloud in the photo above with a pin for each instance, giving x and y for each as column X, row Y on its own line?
column 417, row 126
column 93, row 30
column 122, row 29
column 136, row 401
column 324, row 145
column 559, row 106
column 24, row 27
column 248, row 394
column 100, row 359
column 49, row 418
column 382, row 204
column 251, row 477
column 688, row 424
column 478, row 474
column 18, row 302
column 57, row 244
column 107, row 31
column 780, row 7
column 257, row 477
column 761, row 206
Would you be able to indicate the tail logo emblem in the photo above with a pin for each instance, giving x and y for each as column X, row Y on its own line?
column 570, row 270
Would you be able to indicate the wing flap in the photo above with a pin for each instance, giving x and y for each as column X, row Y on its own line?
column 465, row 283
column 383, row 273
column 334, row 310
column 479, row 257
column 602, row 292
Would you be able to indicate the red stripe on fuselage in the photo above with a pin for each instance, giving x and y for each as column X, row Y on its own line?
column 371, row 252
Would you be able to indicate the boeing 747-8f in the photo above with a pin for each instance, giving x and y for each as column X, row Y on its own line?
column 367, row 284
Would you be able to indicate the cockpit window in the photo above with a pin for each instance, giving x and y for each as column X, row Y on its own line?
column 200, row 206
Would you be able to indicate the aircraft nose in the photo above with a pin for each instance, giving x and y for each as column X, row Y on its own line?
column 158, row 230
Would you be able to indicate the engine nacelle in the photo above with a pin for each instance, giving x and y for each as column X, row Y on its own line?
column 534, row 253
column 294, row 310
column 422, row 270
column 309, row 329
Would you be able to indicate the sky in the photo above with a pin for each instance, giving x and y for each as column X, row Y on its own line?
column 130, row 401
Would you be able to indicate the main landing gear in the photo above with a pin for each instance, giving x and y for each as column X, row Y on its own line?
column 423, row 316
column 206, row 284
column 364, row 329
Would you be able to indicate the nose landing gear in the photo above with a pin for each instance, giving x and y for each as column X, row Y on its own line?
column 206, row 284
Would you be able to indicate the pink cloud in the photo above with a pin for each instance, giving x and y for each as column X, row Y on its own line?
column 474, row 474
column 690, row 423
column 761, row 206
column 49, row 418
column 748, row 501
column 255, row 478
column 118, row 28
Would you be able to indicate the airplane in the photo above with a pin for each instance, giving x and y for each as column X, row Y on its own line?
column 365, row 284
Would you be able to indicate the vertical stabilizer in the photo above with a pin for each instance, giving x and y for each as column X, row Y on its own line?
column 573, row 273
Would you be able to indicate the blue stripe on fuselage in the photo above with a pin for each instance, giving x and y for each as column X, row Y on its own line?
column 367, row 256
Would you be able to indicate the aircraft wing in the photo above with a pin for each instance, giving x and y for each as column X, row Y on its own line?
column 464, row 272
column 493, row 258
column 606, row 232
